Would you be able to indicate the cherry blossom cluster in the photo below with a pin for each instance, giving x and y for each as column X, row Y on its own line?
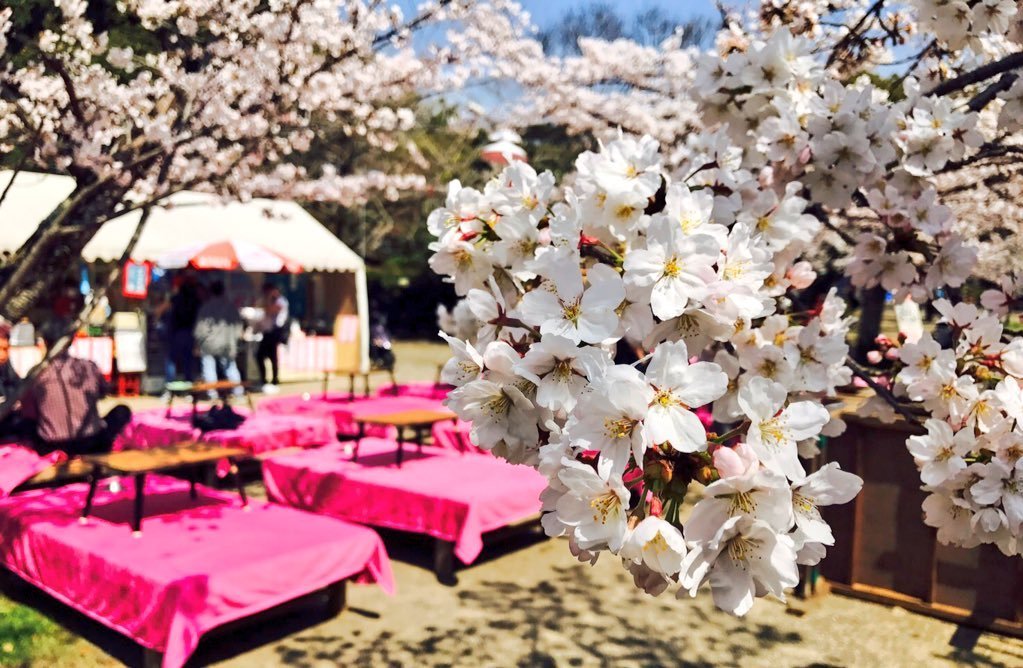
column 785, row 96
column 234, row 90
column 560, row 287
column 971, row 456
column 779, row 102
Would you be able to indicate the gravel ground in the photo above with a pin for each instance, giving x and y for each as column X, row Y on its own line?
column 535, row 606
column 526, row 602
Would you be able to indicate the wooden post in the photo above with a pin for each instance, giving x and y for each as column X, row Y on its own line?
column 337, row 598
column 151, row 658
column 444, row 560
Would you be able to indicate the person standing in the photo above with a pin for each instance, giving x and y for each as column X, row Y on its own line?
column 184, row 310
column 217, row 330
column 274, row 329
column 63, row 400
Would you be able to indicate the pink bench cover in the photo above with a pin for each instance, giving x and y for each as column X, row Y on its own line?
column 441, row 493
column 261, row 431
column 340, row 409
column 198, row 564
column 424, row 389
column 19, row 462
column 451, row 436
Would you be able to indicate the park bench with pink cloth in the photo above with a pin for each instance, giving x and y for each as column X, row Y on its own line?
column 426, row 390
column 261, row 431
column 343, row 411
column 456, row 498
column 200, row 564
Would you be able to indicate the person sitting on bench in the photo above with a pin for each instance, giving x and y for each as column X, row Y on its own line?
column 63, row 400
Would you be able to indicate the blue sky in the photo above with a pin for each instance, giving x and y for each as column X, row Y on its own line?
column 494, row 94
column 546, row 11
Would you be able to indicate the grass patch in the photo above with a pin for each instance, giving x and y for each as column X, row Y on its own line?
column 27, row 638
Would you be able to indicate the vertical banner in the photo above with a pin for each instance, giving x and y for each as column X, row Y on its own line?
column 135, row 280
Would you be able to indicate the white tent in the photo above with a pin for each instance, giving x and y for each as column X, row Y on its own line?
column 189, row 218
column 32, row 197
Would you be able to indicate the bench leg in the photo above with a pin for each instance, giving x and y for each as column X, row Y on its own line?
column 444, row 561
column 351, row 387
column 140, row 489
column 337, row 598
column 365, row 384
column 151, row 658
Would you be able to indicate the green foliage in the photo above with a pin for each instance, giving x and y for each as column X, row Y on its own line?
column 890, row 83
column 551, row 147
column 27, row 638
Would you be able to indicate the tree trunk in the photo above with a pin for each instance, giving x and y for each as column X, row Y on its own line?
column 871, row 310
column 42, row 262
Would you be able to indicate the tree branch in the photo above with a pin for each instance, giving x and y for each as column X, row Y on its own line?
column 1011, row 62
column 983, row 98
column 853, row 32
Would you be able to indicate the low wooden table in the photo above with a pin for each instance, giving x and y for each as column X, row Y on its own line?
column 139, row 463
column 200, row 391
column 416, row 420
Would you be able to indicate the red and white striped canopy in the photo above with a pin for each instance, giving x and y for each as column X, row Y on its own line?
column 228, row 256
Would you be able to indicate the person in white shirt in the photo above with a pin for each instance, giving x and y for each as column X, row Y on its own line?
column 274, row 328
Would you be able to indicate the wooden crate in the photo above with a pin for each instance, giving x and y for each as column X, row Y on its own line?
column 884, row 552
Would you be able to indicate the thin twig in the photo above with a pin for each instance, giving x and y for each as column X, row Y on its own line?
column 881, row 390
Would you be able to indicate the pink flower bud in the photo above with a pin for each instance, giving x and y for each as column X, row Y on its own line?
column 874, row 357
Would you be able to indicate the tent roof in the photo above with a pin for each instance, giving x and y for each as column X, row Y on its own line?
column 32, row 197
column 186, row 218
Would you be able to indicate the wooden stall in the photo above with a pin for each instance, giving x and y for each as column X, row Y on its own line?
column 885, row 553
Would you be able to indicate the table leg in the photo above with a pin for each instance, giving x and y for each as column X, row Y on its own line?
column 401, row 445
column 93, row 483
column 237, row 479
column 351, row 387
column 140, row 489
column 170, row 403
column 365, row 384
column 326, row 378
column 192, row 475
column 419, row 437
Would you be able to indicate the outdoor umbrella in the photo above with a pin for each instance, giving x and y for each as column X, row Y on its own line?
column 228, row 256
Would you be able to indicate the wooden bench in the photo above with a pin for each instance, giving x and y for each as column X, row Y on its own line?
column 201, row 391
column 365, row 379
